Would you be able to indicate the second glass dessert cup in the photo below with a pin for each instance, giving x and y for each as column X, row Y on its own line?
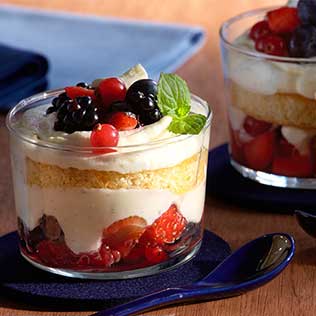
column 92, row 213
column 271, row 109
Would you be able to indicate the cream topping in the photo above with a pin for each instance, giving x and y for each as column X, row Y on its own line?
column 267, row 76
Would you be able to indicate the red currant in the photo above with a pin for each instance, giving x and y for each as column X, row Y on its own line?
column 255, row 127
column 272, row 45
column 259, row 29
column 104, row 135
column 110, row 90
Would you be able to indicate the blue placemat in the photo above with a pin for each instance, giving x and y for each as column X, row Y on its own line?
column 25, row 283
column 82, row 48
column 225, row 182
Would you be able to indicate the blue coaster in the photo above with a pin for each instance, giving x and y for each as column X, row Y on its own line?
column 25, row 283
column 225, row 182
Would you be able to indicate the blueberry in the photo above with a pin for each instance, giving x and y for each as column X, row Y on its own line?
column 150, row 116
column 120, row 106
column 307, row 11
column 145, row 86
column 303, row 42
column 83, row 85
column 147, row 104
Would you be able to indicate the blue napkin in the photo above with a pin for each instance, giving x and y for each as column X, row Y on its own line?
column 82, row 48
column 22, row 73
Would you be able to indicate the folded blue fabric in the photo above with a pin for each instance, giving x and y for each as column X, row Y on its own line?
column 82, row 48
column 22, row 73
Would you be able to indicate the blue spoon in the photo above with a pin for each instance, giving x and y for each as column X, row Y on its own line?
column 251, row 266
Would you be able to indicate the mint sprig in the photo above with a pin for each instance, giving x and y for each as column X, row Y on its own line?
column 174, row 99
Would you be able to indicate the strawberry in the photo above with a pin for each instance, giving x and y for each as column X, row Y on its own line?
column 155, row 254
column 124, row 234
column 283, row 20
column 56, row 253
column 73, row 92
column 290, row 162
column 123, row 121
column 259, row 151
column 236, row 147
column 255, row 127
column 168, row 227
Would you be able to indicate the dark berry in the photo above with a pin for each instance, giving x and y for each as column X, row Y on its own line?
column 303, row 42
column 145, row 86
column 35, row 236
column 307, row 11
column 51, row 228
column 150, row 117
column 83, row 85
column 78, row 116
column 50, row 110
column 90, row 119
column 84, row 101
column 120, row 106
column 147, row 104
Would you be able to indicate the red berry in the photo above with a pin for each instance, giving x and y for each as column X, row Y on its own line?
column 110, row 90
column 155, row 254
column 283, row 20
column 295, row 166
column 123, row 121
column 259, row 151
column 73, row 92
column 236, row 146
column 104, row 135
column 272, row 45
column 259, row 29
column 168, row 227
column 255, row 127
column 123, row 235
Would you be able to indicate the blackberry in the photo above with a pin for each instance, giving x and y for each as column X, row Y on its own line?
column 142, row 97
column 80, row 114
column 303, row 42
column 306, row 11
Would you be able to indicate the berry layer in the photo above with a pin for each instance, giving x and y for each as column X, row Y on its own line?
column 266, row 76
column 84, row 213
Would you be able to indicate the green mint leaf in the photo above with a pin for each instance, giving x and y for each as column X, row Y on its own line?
column 191, row 124
column 173, row 96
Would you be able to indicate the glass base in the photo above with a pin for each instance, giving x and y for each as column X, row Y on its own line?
column 164, row 266
column 273, row 179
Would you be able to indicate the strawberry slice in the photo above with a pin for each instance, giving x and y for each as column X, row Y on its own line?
column 73, row 92
column 168, row 227
column 290, row 162
column 123, row 121
column 283, row 20
column 124, row 234
column 259, row 151
column 255, row 127
column 155, row 254
column 236, row 147
column 56, row 254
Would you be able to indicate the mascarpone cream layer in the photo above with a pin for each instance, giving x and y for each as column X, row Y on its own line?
column 145, row 156
column 84, row 213
column 269, row 77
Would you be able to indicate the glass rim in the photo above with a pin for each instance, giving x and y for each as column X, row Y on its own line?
column 76, row 148
column 255, row 54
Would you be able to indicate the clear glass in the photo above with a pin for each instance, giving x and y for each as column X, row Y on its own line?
column 115, row 213
column 271, row 109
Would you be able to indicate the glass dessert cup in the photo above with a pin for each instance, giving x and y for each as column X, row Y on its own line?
column 89, row 213
column 271, row 109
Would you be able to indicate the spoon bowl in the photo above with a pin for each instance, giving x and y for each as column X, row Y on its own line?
column 249, row 267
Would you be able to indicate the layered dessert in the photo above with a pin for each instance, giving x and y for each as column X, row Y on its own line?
column 271, row 84
column 110, row 176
